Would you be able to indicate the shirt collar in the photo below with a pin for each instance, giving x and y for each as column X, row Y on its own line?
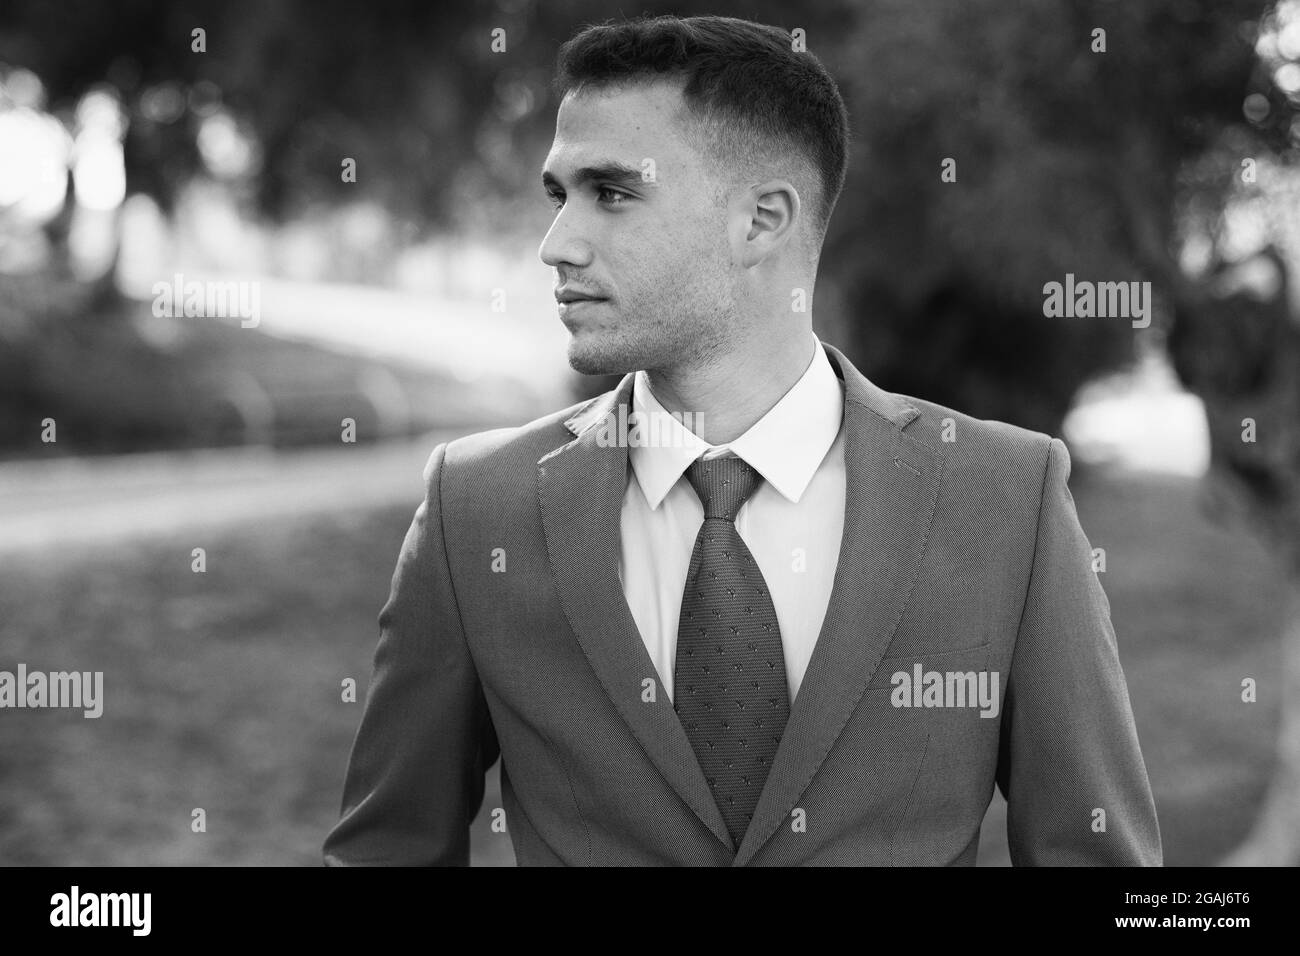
column 786, row 446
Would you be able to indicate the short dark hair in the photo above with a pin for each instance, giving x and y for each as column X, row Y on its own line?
column 746, row 89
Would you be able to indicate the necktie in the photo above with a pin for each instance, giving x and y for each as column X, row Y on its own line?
column 729, row 674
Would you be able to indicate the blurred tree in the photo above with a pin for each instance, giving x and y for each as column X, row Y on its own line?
column 1066, row 161
column 317, row 82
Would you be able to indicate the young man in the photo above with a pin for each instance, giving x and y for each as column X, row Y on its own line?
column 785, row 622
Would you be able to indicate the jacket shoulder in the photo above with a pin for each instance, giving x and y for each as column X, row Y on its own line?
column 981, row 444
column 515, row 446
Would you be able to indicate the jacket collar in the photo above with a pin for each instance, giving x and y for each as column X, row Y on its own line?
column 893, row 408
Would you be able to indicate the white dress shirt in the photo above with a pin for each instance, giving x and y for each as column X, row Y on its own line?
column 792, row 524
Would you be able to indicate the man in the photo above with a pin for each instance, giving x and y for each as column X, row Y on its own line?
column 800, row 620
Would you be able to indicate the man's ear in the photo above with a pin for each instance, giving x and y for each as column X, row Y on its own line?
column 769, row 211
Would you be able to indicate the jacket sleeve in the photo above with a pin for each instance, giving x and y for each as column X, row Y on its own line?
column 415, row 778
column 1069, row 747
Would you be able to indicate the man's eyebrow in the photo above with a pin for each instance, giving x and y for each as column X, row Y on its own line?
column 610, row 172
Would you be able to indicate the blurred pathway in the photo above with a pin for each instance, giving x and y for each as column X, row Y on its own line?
column 85, row 502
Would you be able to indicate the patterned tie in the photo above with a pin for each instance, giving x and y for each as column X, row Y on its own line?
column 729, row 676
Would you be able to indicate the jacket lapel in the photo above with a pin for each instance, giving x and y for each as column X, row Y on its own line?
column 892, row 483
column 580, row 494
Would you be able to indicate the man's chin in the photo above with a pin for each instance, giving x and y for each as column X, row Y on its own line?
column 594, row 354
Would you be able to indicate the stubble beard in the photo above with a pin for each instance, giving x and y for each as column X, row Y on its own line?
column 679, row 341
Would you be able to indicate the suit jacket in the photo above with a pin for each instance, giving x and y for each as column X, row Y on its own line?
column 506, row 634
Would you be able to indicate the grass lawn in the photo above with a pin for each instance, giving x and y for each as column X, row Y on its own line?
column 223, row 689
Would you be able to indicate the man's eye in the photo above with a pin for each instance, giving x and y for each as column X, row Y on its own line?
column 604, row 194
column 621, row 197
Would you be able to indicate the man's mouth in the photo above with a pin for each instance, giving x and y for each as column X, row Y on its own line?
column 575, row 304
column 572, row 296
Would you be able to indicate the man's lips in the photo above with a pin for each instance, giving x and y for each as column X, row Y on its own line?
column 570, row 302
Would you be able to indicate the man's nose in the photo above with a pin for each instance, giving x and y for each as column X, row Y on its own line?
column 563, row 245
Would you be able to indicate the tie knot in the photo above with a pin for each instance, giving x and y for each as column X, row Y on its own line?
column 723, row 485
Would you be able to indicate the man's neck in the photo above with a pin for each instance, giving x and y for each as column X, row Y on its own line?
column 728, row 397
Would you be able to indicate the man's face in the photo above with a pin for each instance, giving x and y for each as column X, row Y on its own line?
column 655, row 252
